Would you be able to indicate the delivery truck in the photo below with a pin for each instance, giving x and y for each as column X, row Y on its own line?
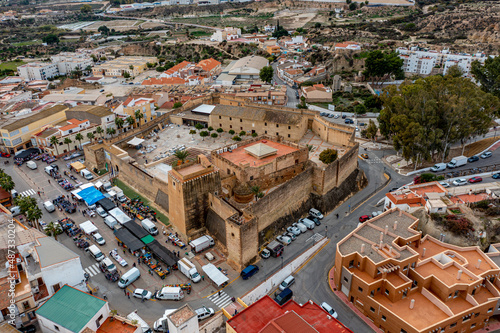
column 118, row 194
column 457, row 162
column 201, row 244
column 170, row 293
column 187, row 268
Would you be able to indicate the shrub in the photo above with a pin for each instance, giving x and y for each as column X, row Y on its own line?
column 236, row 138
column 231, row 132
column 328, row 156
column 458, row 225
column 483, row 204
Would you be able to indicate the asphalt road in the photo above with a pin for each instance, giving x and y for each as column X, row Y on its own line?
column 290, row 92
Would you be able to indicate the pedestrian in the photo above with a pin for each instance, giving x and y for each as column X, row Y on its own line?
column 125, row 292
column 337, row 215
column 49, row 181
column 219, row 292
column 235, row 312
column 134, row 264
column 124, row 252
column 139, row 261
column 128, row 295
column 203, row 278
column 142, row 299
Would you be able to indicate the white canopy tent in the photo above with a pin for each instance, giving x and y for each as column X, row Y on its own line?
column 215, row 275
column 88, row 227
column 135, row 141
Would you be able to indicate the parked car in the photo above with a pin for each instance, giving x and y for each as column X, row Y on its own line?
column 139, row 293
column 72, row 156
column 285, row 240
column 344, row 116
column 460, row 182
column 486, row 154
column 99, row 239
column 496, row 175
column 290, row 235
column 365, row 156
column 6, row 155
column 265, row 254
column 314, row 219
column 329, row 309
column 377, row 213
column 364, row 218
column 336, row 116
column 444, row 184
column 293, row 230
column 204, row 313
column 473, row 159
column 102, row 213
column 475, row 180
column 27, row 329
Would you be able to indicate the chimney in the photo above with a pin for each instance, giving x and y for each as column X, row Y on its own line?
column 386, row 229
column 390, row 249
column 478, row 263
column 412, row 304
column 395, row 225
column 380, row 245
column 362, row 248
column 423, row 253
column 381, row 236
column 459, row 274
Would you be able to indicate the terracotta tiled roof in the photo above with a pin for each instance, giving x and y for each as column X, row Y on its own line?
column 177, row 67
column 164, row 81
column 208, row 64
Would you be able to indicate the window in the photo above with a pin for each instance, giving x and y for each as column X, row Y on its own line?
column 228, row 171
column 372, row 293
column 372, row 309
column 473, row 325
column 405, row 293
column 467, row 317
column 289, row 127
column 251, row 177
column 220, row 125
column 220, row 117
column 490, row 310
column 265, row 124
column 265, row 132
column 345, row 280
column 98, row 321
column 288, row 135
column 456, row 294
column 230, row 126
column 405, row 268
column 384, row 318
column 360, row 289
column 387, row 292
column 277, row 134
column 453, row 325
column 277, row 125
column 241, row 120
column 230, row 118
column 473, row 292
column 403, row 331
column 241, row 128
column 173, row 183
column 26, row 305
column 414, row 284
column 351, row 264
column 56, row 327
column 476, row 315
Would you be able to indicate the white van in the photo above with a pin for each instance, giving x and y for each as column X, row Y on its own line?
column 49, row 206
column 31, row 165
column 48, row 169
column 108, row 265
column 308, row 223
column 438, row 167
column 301, row 226
column 130, row 276
column 86, row 174
column 110, row 221
column 170, row 293
column 158, row 325
column 95, row 252
column 16, row 210
column 149, row 227
column 316, row 213
column 287, row 283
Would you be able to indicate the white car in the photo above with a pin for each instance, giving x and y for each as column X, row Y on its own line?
column 293, row 230
column 204, row 313
column 444, row 184
column 460, row 182
column 102, row 213
column 114, row 254
column 139, row 293
column 376, row 213
column 290, row 235
column 329, row 309
column 99, row 239
column 486, row 154
column 285, row 240
column 336, row 116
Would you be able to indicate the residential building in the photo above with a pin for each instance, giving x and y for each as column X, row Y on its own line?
column 414, row 197
column 243, row 70
column 133, row 104
column 72, row 310
column 17, row 132
column 347, row 46
column 69, row 61
column 193, row 72
column 38, row 71
column 98, row 115
column 184, row 319
column 82, row 97
column 317, row 93
column 416, row 64
column 404, row 282
column 267, row 316
column 274, row 50
column 265, row 96
column 66, row 129
column 210, row 66
column 174, row 71
column 226, row 34
column 126, row 64
column 269, row 28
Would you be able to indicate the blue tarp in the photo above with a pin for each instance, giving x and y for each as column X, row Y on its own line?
column 91, row 195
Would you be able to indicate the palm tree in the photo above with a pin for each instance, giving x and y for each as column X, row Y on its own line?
column 33, row 214
column 79, row 138
column 99, row 131
column 90, row 135
column 53, row 229
column 6, row 181
column 181, row 155
column 138, row 117
column 67, row 141
column 130, row 120
column 55, row 141
column 110, row 131
column 255, row 190
column 119, row 122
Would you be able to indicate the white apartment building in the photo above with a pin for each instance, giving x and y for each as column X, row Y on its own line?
column 70, row 61
column 38, row 71
column 421, row 61
column 226, row 34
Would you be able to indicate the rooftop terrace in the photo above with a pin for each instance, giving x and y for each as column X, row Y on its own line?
column 240, row 156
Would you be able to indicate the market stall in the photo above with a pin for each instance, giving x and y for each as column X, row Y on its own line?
column 106, row 204
column 139, row 209
column 154, row 265
column 88, row 227
column 77, row 166
column 136, row 229
column 128, row 239
column 163, row 254
column 215, row 275
column 120, row 216
column 90, row 195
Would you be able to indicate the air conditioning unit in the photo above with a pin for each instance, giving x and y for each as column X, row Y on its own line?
column 36, row 290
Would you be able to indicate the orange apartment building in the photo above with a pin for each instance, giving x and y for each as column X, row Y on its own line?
column 406, row 283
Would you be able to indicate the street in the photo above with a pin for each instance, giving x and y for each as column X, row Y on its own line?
column 291, row 93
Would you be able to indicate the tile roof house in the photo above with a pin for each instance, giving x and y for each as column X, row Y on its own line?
column 317, row 93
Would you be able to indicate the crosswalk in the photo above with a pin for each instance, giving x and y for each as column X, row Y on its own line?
column 316, row 238
column 222, row 300
column 28, row 193
column 93, row 270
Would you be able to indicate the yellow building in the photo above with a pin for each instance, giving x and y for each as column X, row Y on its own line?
column 117, row 67
column 145, row 105
column 17, row 133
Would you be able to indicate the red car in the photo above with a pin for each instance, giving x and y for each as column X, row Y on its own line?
column 475, row 180
column 5, row 154
column 364, row 218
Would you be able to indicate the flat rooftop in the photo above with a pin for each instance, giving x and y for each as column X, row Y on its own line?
column 240, row 156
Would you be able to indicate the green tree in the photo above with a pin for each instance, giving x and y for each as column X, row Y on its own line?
column 103, row 30
column 177, row 105
column 255, row 190
column 53, row 229
column 99, row 131
column 86, row 9
column 328, row 156
column 488, row 75
column 210, row 128
column 138, row 116
column 203, row 134
column 254, row 134
column 426, row 117
column 192, row 132
column 160, row 69
column 220, row 130
column 119, row 122
column 214, row 135
column 79, row 138
column 454, row 71
column 266, row 73
column 236, row 138
column 130, row 120
column 6, row 181
column 50, row 39
column 380, row 63
column 181, row 155
column 371, row 130
column 243, row 133
column 198, row 126
column 110, row 131
column 353, row 6
column 55, row 142
column 231, row 132
column 90, row 135
column 68, row 141
column 126, row 75
column 34, row 214
column 360, row 109
column 302, row 104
